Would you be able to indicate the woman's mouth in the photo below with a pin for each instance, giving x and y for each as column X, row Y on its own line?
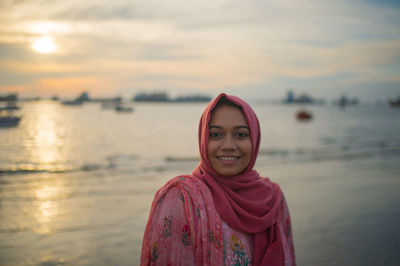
column 228, row 158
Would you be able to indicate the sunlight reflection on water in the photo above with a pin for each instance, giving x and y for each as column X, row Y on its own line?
column 48, row 207
column 46, row 212
column 46, row 145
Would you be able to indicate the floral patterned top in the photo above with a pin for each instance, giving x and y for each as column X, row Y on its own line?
column 184, row 229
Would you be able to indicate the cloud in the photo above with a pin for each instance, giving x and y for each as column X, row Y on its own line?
column 205, row 45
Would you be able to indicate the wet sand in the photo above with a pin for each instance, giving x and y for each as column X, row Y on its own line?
column 344, row 213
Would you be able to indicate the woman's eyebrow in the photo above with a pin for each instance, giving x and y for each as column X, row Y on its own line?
column 243, row 127
column 218, row 127
column 213, row 126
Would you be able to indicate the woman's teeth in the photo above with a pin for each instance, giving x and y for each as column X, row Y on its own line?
column 228, row 158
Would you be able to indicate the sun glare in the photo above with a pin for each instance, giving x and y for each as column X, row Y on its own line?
column 45, row 45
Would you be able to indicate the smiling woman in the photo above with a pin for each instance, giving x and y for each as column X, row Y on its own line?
column 225, row 213
column 44, row 44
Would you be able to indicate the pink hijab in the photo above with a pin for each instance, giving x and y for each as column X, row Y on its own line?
column 246, row 202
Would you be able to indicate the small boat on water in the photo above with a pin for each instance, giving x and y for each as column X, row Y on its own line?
column 122, row 108
column 73, row 102
column 7, row 118
column 304, row 115
column 9, row 121
column 394, row 103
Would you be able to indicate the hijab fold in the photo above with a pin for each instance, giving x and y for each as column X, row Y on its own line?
column 246, row 202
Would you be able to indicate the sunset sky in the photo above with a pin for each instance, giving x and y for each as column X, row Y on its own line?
column 252, row 48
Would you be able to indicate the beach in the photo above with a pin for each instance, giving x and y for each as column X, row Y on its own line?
column 76, row 183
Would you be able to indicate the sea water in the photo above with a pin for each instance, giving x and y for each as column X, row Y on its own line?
column 76, row 182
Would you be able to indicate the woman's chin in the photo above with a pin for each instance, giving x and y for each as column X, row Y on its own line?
column 228, row 172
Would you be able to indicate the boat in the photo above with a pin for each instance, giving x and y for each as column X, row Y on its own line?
column 304, row 115
column 193, row 98
column 122, row 108
column 9, row 121
column 164, row 97
column 394, row 103
column 152, row 97
column 84, row 97
column 73, row 102
column 7, row 118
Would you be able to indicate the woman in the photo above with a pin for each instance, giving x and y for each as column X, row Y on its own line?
column 224, row 213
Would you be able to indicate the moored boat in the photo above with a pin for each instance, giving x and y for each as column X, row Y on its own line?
column 122, row 108
column 304, row 115
column 7, row 117
column 9, row 121
column 395, row 103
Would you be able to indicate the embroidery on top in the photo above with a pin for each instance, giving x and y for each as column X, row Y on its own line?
column 154, row 252
column 214, row 240
column 186, row 235
column 167, row 228
column 239, row 255
column 180, row 196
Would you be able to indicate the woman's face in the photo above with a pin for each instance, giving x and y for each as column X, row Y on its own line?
column 229, row 147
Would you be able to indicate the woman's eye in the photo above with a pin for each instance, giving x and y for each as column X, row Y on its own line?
column 215, row 135
column 242, row 134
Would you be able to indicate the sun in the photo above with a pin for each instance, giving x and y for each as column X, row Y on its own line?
column 44, row 45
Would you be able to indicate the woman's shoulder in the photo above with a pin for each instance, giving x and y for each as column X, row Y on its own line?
column 184, row 180
column 189, row 184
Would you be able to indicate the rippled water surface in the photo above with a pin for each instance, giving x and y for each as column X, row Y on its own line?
column 76, row 183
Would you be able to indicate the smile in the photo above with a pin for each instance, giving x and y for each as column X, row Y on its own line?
column 228, row 158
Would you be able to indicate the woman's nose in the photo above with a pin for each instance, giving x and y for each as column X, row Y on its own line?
column 228, row 143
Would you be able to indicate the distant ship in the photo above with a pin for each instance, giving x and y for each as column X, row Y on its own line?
column 193, row 98
column 84, row 97
column 302, row 99
column 151, row 97
column 163, row 97
column 122, row 108
column 13, row 97
column 344, row 101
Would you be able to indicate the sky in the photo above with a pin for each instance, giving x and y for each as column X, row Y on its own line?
column 256, row 49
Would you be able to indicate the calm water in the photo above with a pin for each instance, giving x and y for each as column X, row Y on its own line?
column 76, row 183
